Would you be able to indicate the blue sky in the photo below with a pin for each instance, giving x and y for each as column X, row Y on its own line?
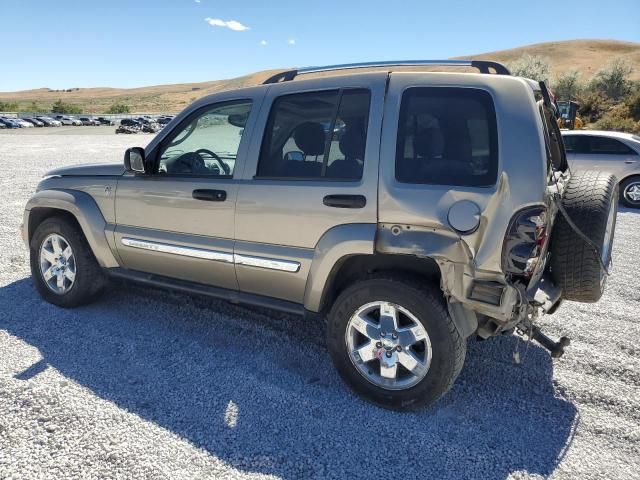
column 129, row 43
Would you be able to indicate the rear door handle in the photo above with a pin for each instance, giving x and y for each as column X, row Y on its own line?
column 345, row 201
column 209, row 195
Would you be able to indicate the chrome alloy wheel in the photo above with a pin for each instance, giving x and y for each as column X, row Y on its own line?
column 57, row 264
column 632, row 192
column 388, row 345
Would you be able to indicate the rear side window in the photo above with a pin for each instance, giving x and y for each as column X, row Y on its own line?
column 447, row 136
column 609, row 146
column 316, row 135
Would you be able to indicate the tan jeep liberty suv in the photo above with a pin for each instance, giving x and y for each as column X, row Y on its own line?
column 411, row 209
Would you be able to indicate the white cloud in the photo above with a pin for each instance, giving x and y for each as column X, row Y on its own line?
column 230, row 24
column 197, row 1
column 263, row 42
column 292, row 41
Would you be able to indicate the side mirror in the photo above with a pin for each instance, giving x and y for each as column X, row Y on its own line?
column 294, row 156
column 134, row 160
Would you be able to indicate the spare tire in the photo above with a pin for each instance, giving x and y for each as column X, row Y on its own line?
column 591, row 202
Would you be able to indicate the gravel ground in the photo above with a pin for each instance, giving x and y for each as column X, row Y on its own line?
column 151, row 384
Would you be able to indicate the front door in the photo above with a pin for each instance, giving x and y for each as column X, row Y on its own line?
column 314, row 169
column 178, row 220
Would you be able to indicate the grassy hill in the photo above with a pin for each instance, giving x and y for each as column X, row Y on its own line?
column 587, row 56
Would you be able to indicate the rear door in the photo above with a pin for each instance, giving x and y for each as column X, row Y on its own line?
column 314, row 168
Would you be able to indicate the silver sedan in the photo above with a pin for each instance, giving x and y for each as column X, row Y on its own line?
column 615, row 152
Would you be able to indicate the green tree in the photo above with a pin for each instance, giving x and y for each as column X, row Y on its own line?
column 35, row 108
column 567, row 86
column 8, row 107
column 613, row 80
column 530, row 66
column 67, row 108
column 118, row 107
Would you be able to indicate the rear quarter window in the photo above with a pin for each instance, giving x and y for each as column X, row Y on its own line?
column 447, row 136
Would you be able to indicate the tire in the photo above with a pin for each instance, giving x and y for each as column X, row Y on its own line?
column 591, row 202
column 427, row 306
column 89, row 278
column 630, row 186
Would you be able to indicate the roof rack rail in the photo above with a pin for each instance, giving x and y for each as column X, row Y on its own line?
column 484, row 66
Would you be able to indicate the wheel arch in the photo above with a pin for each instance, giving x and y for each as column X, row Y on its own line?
column 352, row 268
column 78, row 207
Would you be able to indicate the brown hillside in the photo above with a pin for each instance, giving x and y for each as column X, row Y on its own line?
column 588, row 56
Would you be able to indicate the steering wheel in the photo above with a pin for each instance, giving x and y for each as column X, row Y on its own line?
column 225, row 167
column 187, row 162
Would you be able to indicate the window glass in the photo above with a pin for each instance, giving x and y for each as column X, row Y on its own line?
column 208, row 144
column 576, row 143
column 316, row 135
column 447, row 136
column 609, row 146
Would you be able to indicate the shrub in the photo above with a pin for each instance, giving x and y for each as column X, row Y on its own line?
column 613, row 79
column 67, row 108
column 567, row 86
column 531, row 66
column 617, row 124
column 593, row 105
column 633, row 104
column 618, row 118
column 118, row 107
column 8, row 107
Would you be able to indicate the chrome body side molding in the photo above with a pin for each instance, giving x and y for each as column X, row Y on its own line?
column 178, row 250
column 270, row 263
column 248, row 260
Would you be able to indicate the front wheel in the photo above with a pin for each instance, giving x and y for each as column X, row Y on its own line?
column 63, row 267
column 393, row 342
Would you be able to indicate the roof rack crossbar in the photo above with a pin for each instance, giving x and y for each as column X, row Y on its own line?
column 484, row 66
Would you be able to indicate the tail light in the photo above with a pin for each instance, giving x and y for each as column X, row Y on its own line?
column 525, row 241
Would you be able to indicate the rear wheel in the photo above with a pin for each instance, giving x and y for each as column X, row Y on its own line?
column 393, row 342
column 630, row 192
column 63, row 267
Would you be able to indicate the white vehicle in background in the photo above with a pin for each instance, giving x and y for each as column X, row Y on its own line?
column 65, row 120
column 23, row 123
column 613, row 152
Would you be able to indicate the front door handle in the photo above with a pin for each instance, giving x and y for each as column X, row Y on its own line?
column 209, row 195
column 345, row 201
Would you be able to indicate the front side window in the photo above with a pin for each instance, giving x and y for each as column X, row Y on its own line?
column 207, row 144
column 316, row 135
column 576, row 143
column 447, row 136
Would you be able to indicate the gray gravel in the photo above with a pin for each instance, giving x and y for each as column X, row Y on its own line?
column 151, row 384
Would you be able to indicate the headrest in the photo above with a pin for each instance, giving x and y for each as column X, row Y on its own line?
column 352, row 144
column 309, row 137
column 428, row 142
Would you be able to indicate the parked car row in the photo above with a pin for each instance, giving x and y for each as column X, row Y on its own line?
column 144, row 123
